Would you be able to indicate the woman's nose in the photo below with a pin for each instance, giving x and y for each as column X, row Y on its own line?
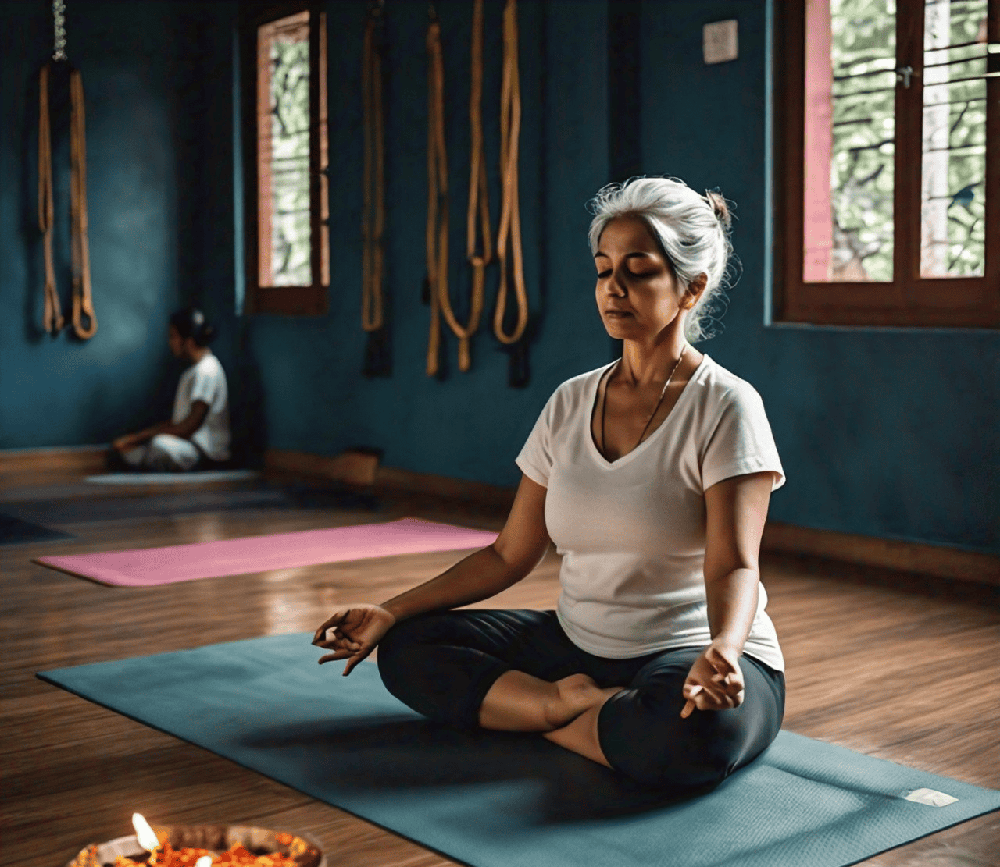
column 616, row 286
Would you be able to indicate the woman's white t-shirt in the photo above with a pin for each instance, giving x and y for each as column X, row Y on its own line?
column 632, row 532
column 206, row 380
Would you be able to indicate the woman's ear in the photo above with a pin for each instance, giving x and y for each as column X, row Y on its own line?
column 693, row 291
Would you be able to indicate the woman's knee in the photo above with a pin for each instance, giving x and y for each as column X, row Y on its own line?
column 644, row 738
column 394, row 650
column 422, row 664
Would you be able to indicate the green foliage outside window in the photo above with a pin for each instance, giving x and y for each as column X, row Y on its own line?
column 863, row 54
column 290, row 162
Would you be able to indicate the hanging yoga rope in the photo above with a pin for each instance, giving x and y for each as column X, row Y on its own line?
column 437, row 190
column 373, row 220
column 478, row 254
column 53, row 321
column 510, row 219
column 378, row 361
column 82, row 300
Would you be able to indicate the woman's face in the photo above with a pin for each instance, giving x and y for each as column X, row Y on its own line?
column 637, row 291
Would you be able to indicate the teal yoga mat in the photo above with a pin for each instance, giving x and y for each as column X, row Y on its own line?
column 507, row 800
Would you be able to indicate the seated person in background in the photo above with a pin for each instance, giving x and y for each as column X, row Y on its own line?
column 197, row 435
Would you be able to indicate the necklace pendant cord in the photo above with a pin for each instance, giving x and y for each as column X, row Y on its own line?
column 652, row 415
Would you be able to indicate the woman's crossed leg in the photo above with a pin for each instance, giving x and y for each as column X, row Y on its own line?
column 517, row 671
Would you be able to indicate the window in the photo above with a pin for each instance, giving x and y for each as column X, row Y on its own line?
column 888, row 162
column 286, row 195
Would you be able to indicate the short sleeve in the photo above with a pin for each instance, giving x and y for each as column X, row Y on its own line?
column 741, row 441
column 205, row 385
column 535, row 458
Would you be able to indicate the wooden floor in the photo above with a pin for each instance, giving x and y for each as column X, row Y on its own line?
column 887, row 664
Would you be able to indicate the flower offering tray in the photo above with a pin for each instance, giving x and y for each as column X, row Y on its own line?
column 218, row 839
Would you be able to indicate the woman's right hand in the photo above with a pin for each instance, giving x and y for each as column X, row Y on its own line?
column 352, row 632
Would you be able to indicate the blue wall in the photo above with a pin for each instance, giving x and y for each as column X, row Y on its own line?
column 883, row 432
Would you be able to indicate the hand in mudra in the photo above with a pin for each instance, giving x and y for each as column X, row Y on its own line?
column 715, row 681
column 352, row 632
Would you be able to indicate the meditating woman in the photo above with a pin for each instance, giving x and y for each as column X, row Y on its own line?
column 652, row 476
column 197, row 435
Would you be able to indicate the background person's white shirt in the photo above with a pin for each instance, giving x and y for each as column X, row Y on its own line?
column 632, row 533
column 206, row 380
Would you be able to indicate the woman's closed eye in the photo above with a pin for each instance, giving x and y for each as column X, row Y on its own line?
column 635, row 275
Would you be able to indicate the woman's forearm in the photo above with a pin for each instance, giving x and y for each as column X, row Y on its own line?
column 732, row 606
column 479, row 576
column 146, row 434
column 184, row 429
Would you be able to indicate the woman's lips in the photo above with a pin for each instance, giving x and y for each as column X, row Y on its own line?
column 617, row 314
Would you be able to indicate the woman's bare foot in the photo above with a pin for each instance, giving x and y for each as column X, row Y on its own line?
column 521, row 702
column 577, row 694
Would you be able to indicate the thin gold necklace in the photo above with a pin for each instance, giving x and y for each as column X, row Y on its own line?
column 663, row 393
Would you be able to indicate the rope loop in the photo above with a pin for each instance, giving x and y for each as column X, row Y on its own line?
column 82, row 302
column 84, row 320
column 509, row 232
column 478, row 207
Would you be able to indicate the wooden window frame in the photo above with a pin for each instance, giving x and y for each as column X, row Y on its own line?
column 908, row 300
column 313, row 299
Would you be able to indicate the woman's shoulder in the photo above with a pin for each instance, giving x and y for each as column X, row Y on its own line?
column 209, row 364
column 580, row 381
column 720, row 385
column 572, row 395
column 580, row 385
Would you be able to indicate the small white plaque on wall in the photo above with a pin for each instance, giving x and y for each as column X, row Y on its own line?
column 720, row 41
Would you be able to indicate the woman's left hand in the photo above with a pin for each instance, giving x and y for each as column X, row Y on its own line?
column 715, row 681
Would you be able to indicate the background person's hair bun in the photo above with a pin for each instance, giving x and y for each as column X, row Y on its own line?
column 191, row 322
column 719, row 207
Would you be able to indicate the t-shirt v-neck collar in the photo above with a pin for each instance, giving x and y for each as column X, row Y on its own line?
column 596, row 452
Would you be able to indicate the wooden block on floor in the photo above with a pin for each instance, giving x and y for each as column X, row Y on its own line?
column 350, row 467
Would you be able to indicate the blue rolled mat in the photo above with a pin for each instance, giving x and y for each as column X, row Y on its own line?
column 16, row 531
column 508, row 800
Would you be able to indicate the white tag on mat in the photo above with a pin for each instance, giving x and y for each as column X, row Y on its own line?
column 931, row 798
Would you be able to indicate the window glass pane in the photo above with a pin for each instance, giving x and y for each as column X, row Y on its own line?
column 953, row 168
column 283, row 151
column 850, row 131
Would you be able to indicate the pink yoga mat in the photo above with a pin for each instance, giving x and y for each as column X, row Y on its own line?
column 148, row 567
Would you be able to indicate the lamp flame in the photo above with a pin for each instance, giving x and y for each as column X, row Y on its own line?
column 204, row 861
column 146, row 835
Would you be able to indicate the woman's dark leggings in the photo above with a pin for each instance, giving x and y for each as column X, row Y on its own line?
column 442, row 665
